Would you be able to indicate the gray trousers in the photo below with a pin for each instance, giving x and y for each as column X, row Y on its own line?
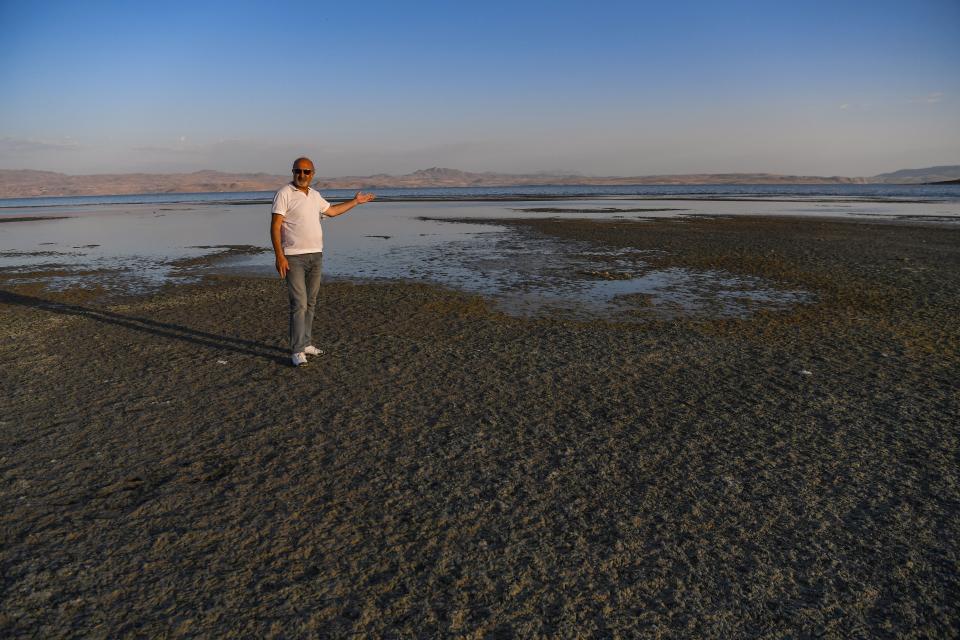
column 303, row 286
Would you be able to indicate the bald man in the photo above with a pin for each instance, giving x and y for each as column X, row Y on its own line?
column 298, row 245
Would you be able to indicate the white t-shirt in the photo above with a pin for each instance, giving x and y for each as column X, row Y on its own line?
column 300, row 231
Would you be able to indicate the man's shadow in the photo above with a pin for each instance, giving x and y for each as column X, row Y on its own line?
column 146, row 325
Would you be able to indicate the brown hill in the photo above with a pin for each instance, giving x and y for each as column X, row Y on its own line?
column 27, row 183
column 442, row 177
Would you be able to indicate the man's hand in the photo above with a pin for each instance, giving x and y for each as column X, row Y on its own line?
column 363, row 198
column 282, row 265
column 343, row 207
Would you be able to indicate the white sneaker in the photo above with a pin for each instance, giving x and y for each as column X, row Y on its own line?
column 299, row 359
column 312, row 351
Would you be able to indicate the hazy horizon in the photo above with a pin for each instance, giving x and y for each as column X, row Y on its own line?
column 606, row 89
column 281, row 172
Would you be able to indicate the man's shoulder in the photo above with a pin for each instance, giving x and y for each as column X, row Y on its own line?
column 286, row 189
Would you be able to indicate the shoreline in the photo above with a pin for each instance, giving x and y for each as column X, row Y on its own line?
column 506, row 198
column 219, row 262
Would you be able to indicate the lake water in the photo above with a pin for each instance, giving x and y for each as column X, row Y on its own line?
column 139, row 243
column 942, row 193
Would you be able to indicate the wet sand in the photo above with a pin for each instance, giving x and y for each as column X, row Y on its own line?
column 446, row 469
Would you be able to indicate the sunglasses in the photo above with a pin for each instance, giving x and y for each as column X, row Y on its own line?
column 303, row 171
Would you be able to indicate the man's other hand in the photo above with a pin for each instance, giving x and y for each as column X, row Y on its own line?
column 282, row 266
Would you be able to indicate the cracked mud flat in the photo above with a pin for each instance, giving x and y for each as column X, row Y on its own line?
column 446, row 469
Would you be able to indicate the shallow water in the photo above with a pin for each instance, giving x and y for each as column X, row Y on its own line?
column 139, row 247
column 894, row 192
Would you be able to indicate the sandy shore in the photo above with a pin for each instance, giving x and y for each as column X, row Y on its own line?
column 445, row 469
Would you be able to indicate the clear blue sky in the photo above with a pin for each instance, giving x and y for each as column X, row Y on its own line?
column 600, row 88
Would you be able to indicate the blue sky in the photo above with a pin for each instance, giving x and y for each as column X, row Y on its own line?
column 599, row 88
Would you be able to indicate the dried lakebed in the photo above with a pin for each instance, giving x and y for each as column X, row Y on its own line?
column 450, row 469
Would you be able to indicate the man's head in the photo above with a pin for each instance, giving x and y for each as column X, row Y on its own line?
column 302, row 172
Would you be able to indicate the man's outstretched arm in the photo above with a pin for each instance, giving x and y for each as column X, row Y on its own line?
column 339, row 209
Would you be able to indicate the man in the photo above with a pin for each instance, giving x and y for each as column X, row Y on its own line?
column 298, row 245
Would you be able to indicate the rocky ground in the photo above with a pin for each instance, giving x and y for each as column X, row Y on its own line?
column 446, row 469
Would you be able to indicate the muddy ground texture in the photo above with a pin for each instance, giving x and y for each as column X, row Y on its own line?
column 445, row 469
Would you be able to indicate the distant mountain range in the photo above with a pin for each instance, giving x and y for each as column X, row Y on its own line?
column 441, row 177
column 949, row 173
column 26, row 183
